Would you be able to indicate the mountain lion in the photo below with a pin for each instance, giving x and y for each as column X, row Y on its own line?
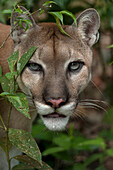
column 57, row 72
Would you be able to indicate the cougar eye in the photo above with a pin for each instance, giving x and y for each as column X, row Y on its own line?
column 75, row 66
column 34, row 67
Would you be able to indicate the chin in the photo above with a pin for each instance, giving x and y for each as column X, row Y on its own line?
column 55, row 124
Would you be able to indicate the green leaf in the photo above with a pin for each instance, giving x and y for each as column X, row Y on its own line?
column 49, row 2
column 12, row 60
column 111, row 63
column 18, row 9
column 45, row 166
column 15, row 98
column 32, row 163
column 25, row 142
column 53, row 150
column 58, row 15
column 12, row 97
column 63, row 141
column 92, row 158
column 12, row 85
column 41, row 12
column 22, row 166
column 109, row 152
column 10, row 75
column 110, row 46
column 37, row 133
column 91, row 144
column 7, row 11
column 20, row 24
column 24, row 59
column 5, row 83
column 79, row 166
column 6, row 94
column 68, row 13
column 28, row 161
column 23, row 107
column 101, row 168
column 60, row 27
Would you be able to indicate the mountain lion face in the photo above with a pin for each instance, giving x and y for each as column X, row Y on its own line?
column 61, row 66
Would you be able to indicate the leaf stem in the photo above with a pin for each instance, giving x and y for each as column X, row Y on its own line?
column 3, row 123
column 7, row 138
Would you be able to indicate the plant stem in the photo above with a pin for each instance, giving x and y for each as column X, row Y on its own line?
column 7, row 138
column 3, row 123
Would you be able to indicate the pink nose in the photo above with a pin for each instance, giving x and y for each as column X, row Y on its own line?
column 55, row 103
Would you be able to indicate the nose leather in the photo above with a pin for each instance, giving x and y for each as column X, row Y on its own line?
column 55, row 103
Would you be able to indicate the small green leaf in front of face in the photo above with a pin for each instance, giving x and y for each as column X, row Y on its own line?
column 57, row 15
column 60, row 27
column 5, row 83
column 59, row 18
column 12, row 60
column 24, row 59
column 20, row 103
column 10, row 75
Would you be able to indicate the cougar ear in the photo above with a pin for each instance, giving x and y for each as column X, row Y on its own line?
column 18, row 30
column 88, row 23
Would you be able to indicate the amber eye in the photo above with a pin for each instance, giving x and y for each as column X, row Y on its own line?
column 34, row 67
column 75, row 66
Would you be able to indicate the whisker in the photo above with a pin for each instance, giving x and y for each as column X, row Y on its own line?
column 81, row 114
column 92, row 104
column 97, row 88
column 93, row 100
column 91, row 107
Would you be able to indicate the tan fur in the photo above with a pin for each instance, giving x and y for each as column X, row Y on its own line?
column 54, row 53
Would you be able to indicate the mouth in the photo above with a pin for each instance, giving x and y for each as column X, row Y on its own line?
column 55, row 121
column 54, row 115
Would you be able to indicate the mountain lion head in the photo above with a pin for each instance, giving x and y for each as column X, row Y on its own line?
column 60, row 67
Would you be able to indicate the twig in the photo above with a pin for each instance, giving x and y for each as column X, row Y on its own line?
column 7, row 138
column 3, row 123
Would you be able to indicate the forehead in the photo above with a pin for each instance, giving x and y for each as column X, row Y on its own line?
column 54, row 46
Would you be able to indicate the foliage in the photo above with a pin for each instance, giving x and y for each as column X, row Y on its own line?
column 19, row 138
column 66, row 147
